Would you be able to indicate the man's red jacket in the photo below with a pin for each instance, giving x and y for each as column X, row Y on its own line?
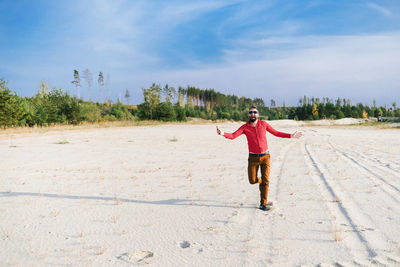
column 256, row 135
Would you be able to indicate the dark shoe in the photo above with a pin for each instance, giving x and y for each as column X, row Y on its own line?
column 264, row 208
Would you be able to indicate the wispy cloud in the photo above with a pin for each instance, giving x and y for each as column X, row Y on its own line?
column 341, row 66
column 380, row 9
column 267, row 49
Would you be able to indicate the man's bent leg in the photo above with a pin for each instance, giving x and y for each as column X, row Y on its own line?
column 265, row 171
column 254, row 163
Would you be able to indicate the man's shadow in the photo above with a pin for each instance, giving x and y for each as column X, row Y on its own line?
column 172, row 202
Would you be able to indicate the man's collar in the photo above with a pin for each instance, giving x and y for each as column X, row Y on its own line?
column 251, row 124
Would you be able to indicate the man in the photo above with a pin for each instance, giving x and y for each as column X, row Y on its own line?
column 255, row 131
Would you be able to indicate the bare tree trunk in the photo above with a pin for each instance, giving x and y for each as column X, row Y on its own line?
column 88, row 77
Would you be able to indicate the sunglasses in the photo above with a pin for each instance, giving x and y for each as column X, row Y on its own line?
column 254, row 112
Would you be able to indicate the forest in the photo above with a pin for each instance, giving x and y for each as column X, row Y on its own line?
column 165, row 103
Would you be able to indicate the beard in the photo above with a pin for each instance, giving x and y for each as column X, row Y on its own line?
column 253, row 119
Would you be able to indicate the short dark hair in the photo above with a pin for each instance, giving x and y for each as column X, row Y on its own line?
column 253, row 107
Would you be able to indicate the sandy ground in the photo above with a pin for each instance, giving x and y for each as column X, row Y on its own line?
column 178, row 195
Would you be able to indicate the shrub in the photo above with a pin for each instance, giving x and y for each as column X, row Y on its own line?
column 11, row 111
column 143, row 112
column 236, row 115
column 165, row 112
column 120, row 112
column 339, row 115
column 70, row 108
column 180, row 113
column 224, row 115
column 11, row 106
column 204, row 115
column 90, row 112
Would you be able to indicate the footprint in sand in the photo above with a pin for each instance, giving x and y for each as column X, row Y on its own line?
column 194, row 247
column 142, row 256
column 184, row 244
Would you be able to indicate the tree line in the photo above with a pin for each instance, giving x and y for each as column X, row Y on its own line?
column 54, row 106
column 165, row 103
column 210, row 104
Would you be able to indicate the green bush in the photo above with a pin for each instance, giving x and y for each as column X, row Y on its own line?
column 70, row 108
column 143, row 112
column 90, row 112
column 53, row 106
column 40, row 115
column 29, row 112
column 165, row 112
column 224, row 115
column 120, row 111
column 339, row 115
column 244, row 115
column 236, row 115
column 180, row 113
column 11, row 107
column 109, row 118
column 204, row 115
column 190, row 112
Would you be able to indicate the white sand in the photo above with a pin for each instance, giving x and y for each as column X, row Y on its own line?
column 179, row 196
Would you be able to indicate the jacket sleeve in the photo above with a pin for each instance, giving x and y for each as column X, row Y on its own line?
column 235, row 134
column 277, row 133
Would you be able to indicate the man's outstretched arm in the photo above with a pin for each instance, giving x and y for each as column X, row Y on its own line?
column 231, row 135
column 282, row 134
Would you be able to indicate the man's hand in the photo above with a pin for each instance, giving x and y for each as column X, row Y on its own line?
column 218, row 131
column 296, row 135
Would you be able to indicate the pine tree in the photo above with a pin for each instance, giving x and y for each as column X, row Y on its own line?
column 127, row 96
column 101, row 85
column 88, row 77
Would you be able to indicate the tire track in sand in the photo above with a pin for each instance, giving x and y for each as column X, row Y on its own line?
column 261, row 228
column 394, row 190
column 387, row 189
column 366, row 245
column 388, row 156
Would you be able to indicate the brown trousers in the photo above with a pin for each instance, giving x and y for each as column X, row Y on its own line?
column 254, row 164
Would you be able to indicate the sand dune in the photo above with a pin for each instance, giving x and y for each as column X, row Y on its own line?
column 178, row 195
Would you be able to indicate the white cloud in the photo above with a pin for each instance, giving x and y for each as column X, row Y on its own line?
column 123, row 38
column 380, row 9
column 358, row 67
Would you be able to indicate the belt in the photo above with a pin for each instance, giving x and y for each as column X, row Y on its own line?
column 258, row 155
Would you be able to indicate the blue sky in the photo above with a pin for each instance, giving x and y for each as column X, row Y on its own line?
column 277, row 50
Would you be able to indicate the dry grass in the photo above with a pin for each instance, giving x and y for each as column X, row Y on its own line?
column 337, row 232
column 61, row 142
column 101, row 251
column 4, row 133
column 380, row 125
